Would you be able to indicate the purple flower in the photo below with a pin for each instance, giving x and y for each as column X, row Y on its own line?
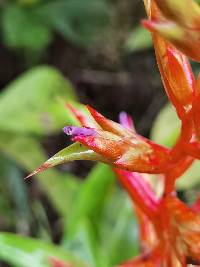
column 79, row 131
column 125, row 120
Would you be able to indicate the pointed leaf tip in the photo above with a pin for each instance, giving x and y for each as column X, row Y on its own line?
column 42, row 168
column 73, row 152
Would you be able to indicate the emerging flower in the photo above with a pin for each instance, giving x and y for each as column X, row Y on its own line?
column 120, row 146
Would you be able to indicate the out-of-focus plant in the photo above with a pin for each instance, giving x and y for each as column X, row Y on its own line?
column 138, row 39
column 21, row 148
column 169, row 229
column 30, row 25
column 38, row 91
column 33, row 109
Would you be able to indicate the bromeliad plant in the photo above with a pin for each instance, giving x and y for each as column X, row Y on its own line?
column 169, row 229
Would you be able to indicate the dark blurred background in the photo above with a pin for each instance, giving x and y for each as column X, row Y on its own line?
column 105, row 54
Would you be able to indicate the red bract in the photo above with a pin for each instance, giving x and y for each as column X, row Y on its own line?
column 120, row 146
column 176, row 74
column 169, row 230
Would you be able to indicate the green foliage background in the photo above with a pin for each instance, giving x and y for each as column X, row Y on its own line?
column 88, row 210
column 94, row 217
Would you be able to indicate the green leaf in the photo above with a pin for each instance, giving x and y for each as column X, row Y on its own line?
column 92, row 196
column 19, row 197
column 139, row 39
column 119, row 234
column 28, row 3
column 30, row 104
column 77, row 20
column 22, row 29
column 190, row 178
column 73, row 152
column 85, row 245
column 5, row 201
column 166, row 127
column 60, row 188
column 27, row 252
column 87, row 211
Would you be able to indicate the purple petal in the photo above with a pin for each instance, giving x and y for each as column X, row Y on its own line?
column 77, row 131
column 125, row 120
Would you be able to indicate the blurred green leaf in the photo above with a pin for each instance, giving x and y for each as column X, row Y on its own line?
column 30, row 103
column 190, row 178
column 139, row 39
column 28, row 2
column 92, row 196
column 23, row 30
column 84, row 244
column 27, row 152
column 41, row 220
column 14, row 204
column 118, row 229
column 83, row 225
column 26, row 252
column 77, row 20
column 19, row 198
column 5, row 201
column 166, row 127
